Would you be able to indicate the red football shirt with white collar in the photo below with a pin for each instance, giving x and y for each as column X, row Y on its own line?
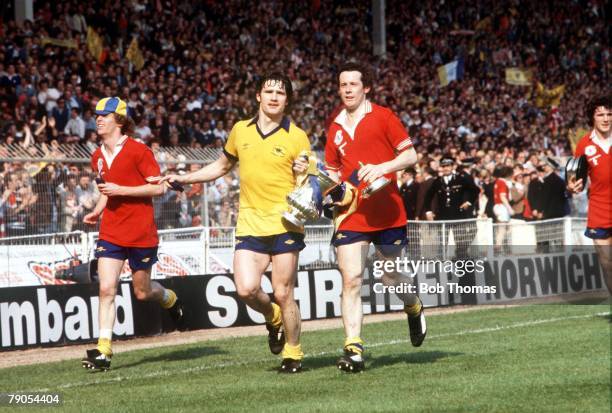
column 377, row 138
column 597, row 152
column 127, row 221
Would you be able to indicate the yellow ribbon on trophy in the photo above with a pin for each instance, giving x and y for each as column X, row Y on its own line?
column 347, row 206
column 343, row 208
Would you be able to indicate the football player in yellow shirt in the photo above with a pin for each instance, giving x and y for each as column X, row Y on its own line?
column 268, row 150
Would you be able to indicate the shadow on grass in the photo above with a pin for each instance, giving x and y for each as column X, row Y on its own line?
column 178, row 355
column 329, row 361
column 422, row 357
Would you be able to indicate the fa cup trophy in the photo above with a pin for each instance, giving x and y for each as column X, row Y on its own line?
column 306, row 201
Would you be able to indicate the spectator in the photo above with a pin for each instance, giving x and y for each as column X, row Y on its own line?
column 408, row 190
column 75, row 128
column 61, row 114
column 554, row 195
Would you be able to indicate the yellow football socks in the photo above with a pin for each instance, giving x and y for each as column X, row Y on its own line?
column 104, row 347
column 414, row 309
column 275, row 318
column 292, row 352
column 169, row 299
column 354, row 344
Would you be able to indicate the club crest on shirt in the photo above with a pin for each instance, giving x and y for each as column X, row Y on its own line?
column 338, row 137
column 279, row 150
column 590, row 150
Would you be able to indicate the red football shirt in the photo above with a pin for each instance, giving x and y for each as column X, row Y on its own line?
column 378, row 136
column 600, row 193
column 500, row 187
column 128, row 221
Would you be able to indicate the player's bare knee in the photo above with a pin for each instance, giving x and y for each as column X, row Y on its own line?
column 351, row 282
column 247, row 293
column 283, row 295
column 107, row 291
column 142, row 294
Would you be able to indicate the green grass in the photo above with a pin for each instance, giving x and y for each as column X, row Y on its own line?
column 526, row 359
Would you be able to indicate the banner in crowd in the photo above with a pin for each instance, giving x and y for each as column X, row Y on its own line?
column 134, row 55
column 68, row 43
column 94, row 44
column 450, row 71
column 518, row 77
column 548, row 97
column 66, row 314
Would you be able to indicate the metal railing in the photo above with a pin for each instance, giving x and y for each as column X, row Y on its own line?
column 199, row 250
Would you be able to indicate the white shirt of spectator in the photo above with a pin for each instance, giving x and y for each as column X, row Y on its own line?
column 196, row 104
column 75, row 127
column 49, row 98
column 110, row 157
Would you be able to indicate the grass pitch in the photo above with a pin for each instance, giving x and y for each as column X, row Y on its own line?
column 526, row 359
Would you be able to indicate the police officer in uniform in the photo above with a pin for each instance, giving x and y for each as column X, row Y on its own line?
column 457, row 196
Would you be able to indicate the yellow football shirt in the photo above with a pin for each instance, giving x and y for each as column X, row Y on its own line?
column 266, row 174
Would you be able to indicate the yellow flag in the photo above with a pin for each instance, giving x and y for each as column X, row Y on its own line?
column 484, row 24
column 518, row 77
column 574, row 136
column 69, row 43
column 94, row 43
column 548, row 97
column 134, row 55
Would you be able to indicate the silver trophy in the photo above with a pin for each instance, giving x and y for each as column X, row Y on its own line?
column 306, row 202
column 374, row 187
column 577, row 168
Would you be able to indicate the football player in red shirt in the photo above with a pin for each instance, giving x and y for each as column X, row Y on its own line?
column 365, row 142
column 128, row 229
column 595, row 145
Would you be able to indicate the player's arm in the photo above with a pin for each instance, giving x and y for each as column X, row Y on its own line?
column 403, row 160
column 206, row 174
column 93, row 216
column 147, row 190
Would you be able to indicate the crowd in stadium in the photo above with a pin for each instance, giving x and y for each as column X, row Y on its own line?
column 201, row 62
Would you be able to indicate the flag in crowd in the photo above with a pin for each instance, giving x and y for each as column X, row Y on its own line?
column 450, row 71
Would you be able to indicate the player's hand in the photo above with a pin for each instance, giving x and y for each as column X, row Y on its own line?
column 166, row 180
column 300, row 165
column 91, row 218
column 465, row 205
column 430, row 215
column 111, row 189
column 370, row 173
column 575, row 186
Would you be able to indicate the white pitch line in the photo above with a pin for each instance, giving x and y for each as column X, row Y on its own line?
column 162, row 373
